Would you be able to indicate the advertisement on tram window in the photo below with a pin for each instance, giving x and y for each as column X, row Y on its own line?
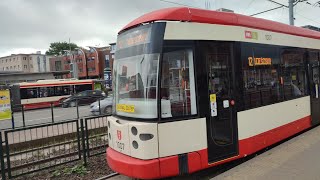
column 5, row 106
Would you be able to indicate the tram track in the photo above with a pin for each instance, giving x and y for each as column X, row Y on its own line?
column 109, row 176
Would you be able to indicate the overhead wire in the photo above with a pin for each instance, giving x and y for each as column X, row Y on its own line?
column 180, row 4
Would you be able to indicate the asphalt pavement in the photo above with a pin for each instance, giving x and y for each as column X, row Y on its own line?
column 295, row 159
column 40, row 116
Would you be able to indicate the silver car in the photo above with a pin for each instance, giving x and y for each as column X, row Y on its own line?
column 105, row 106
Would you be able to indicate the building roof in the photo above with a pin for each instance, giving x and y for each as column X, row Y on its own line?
column 21, row 54
column 185, row 14
column 10, row 73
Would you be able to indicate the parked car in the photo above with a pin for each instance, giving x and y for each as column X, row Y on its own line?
column 82, row 98
column 105, row 106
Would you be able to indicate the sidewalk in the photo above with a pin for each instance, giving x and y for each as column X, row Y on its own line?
column 297, row 159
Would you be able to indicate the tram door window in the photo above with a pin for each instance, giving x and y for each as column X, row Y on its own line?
column 314, row 64
column 294, row 76
column 221, row 119
column 178, row 84
column 219, row 75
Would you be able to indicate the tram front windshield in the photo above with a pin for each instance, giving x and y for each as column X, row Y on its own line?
column 135, row 71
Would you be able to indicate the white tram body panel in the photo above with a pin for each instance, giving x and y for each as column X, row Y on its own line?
column 162, row 140
column 260, row 120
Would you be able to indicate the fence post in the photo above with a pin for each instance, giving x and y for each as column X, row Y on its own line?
column 52, row 115
column 3, row 172
column 77, row 108
column 83, row 141
column 87, row 136
column 12, row 117
column 99, row 107
column 8, row 154
column 23, row 118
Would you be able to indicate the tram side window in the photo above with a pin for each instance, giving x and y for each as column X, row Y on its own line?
column 178, row 84
column 294, row 76
column 261, row 77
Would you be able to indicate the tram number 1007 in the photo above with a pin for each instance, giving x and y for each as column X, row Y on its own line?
column 120, row 145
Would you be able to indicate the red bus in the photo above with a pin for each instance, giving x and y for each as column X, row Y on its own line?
column 42, row 93
column 197, row 88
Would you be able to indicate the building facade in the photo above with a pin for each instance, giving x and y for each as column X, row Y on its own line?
column 90, row 63
column 27, row 63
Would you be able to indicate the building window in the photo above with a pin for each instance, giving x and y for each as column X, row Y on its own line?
column 14, row 67
column 25, row 66
column 58, row 65
column 30, row 58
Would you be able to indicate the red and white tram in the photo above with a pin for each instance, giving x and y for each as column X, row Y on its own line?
column 196, row 88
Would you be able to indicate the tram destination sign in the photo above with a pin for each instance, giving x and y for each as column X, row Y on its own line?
column 261, row 61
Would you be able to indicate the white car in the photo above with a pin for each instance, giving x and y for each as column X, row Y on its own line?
column 105, row 106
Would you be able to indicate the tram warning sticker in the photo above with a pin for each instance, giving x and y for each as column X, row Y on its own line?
column 125, row 108
column 213, row 105
column 213, row 98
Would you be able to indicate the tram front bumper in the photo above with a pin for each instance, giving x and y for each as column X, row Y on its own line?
column 142, row 169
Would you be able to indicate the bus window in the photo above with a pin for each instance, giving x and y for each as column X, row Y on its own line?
column 66, row 90
column 45, row 92
column 178, row 84
column 83, row 87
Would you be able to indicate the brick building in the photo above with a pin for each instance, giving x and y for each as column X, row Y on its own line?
column 91, row 63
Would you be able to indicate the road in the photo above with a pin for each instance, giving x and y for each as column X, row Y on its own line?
column 40, row 116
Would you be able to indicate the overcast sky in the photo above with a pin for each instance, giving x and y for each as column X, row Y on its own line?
column 27, row 26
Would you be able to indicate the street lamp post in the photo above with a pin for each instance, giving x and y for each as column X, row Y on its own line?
column 74, row 65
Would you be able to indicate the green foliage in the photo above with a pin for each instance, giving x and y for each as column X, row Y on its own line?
column 57, row 47
column 78, row 169
column 56, row 173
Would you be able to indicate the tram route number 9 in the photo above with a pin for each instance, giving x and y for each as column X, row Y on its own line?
column 120, row 145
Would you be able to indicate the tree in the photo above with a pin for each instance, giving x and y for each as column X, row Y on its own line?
column 57, row 48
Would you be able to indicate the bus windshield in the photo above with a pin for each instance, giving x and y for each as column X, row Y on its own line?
column 136, row 86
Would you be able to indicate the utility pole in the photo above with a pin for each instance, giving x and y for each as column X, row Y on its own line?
column 291, row 16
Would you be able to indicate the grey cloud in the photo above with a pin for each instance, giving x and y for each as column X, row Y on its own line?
column 36, row 23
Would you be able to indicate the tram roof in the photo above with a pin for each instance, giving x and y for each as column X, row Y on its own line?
column 223, row 18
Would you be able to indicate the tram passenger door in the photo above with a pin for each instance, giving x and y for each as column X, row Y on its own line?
column 221, row 123
column 315, row 96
